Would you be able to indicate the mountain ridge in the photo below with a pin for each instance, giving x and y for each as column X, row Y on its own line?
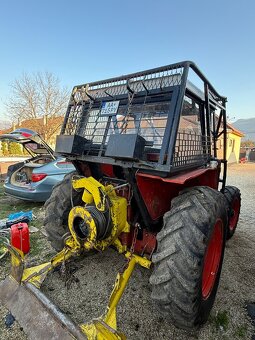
column 247, row 126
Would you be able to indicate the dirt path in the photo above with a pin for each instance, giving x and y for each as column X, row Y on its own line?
column 138, row 318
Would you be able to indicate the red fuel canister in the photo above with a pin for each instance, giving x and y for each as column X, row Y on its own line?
column 20, row 237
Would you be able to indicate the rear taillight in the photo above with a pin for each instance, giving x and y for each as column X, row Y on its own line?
column 63, row 162
column 38, row 177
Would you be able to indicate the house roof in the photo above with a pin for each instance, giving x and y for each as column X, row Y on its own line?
column 2, row 132
column 36, row 124
column 235, row 131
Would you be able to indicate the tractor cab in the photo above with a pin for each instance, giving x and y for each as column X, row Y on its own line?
column 163, row 120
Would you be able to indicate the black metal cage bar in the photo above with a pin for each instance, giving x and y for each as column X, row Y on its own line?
column 149, row 104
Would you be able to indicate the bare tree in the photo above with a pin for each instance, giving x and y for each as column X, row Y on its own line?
column 38, row 96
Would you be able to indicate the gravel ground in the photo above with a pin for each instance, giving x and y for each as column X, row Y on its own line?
column 137, row 317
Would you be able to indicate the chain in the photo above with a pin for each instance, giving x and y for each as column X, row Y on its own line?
column 137, row 226
column 125, row 122
column 68, row 274
column 97, row 116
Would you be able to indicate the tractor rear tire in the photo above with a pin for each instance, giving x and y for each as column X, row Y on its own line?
column 57, row 209
column 189, row 256
column 233, row 198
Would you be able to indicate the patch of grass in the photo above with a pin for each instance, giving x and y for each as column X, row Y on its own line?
column 40, row 250
column 36, row 245
column 13, row 205
column 220, row 320
column 9, row 206
column 1, row 190
column 241, row 331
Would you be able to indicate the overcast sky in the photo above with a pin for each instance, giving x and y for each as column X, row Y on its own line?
column 81, row 41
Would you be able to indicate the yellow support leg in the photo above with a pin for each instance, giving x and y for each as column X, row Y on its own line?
column 105, row 327
column 37, row 274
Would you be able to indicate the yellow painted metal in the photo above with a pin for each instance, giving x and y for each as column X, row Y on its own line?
column 119, row 246
column 37, row 274
column 104, row 198
column 118, row 211
column 87, row 197
column 142, row 260
column 17, row 262
column 17, row 256
column 93, row 191
column 99, row 328
column 120, row 285
column 105, row 327
column 81, row 212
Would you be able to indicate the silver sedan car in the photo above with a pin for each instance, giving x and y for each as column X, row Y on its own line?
column 34, row 178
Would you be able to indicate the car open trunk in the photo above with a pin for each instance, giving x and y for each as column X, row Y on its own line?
column 22, row 176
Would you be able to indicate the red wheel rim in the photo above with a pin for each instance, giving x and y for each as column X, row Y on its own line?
column 212, row 259
column 234, row 213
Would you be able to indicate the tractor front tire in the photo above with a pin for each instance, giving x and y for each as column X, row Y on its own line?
column 57, row 209
column 188, row 260
column 233, row 198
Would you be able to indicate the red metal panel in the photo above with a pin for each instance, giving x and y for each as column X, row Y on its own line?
column 107, row 170
column 146, row 245
column 157, row 195
column 181, row 178
column 157, row 192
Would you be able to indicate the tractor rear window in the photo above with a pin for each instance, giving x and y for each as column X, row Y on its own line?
column 190, row 117
column 146, row 119
column 149, row 121
column 189, row 141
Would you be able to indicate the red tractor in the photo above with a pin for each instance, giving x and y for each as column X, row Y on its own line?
column 149, row 183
